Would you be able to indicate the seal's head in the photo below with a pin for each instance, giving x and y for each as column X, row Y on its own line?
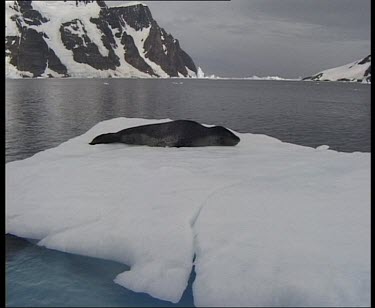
column 224, row 136
column 105, row 138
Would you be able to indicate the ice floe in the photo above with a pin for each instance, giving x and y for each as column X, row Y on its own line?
column 270, row 223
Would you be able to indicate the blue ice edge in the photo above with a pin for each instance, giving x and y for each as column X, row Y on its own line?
column 37, row 276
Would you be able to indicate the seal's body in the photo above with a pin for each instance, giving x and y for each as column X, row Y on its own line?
column 180, row 133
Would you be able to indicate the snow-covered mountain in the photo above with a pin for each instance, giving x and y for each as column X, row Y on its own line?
column 359, row 71
column 90, row 39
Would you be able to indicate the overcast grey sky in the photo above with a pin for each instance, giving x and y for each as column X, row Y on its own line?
column 287, row 38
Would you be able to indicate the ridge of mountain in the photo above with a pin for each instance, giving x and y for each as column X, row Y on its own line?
column 90, row 39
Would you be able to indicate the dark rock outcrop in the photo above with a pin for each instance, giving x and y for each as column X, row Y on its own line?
column 365, row 60
column 84, row 50
column 314, row 77
column 132, row 55
column 162, row 48
column 29, row 51
column 367, row 75
column 136, row 16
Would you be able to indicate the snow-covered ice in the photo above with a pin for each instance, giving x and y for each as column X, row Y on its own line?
column 270, row 223
column 272, row 78
column 323, row 147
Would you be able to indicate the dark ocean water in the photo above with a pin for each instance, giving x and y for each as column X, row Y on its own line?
column 41, row 114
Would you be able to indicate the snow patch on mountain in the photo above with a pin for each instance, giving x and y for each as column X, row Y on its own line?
column 131, row 3
column 139, row 38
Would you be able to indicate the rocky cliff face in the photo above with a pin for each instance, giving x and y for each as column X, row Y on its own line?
column 359, row 71
column 90, row 39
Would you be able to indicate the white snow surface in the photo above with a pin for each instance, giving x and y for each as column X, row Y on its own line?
column 351, row 71
column 270, row 223
column 200, row 73
column 12, row 72
column 131, row 3
column 271, row 78
column 10, row 26
column 323, row 147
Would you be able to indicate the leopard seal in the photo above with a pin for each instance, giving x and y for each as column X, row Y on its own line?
column 179, row 133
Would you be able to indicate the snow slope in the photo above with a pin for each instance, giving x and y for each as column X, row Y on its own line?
column 356, row 71
column 270, row 223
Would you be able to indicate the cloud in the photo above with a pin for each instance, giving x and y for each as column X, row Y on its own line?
column 289, row 38
column 332, row 15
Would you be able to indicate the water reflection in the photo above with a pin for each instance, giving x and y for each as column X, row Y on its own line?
column 43, row 113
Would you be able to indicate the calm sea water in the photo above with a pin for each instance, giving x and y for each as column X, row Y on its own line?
column 41, row 114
